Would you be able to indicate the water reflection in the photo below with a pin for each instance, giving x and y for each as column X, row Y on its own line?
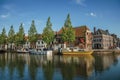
column 104, row 62
column 35, row 67
column 74, row 66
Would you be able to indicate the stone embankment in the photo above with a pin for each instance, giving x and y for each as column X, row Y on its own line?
column 106, row 51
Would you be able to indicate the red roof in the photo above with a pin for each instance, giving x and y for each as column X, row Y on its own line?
column 79, row 31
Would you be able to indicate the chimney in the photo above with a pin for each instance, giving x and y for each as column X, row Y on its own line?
column 94, row 29
column 107, row 31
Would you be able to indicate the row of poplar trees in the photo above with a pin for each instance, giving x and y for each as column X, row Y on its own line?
column 68, row 34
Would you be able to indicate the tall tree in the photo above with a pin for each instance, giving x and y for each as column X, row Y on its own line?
column 32, row 33
column 64, row 34
column 48, row 33
column 68, row 34
column 3, row 37
column 11, row 35
column 71, row 35
column 20, row 35
column 68, row 22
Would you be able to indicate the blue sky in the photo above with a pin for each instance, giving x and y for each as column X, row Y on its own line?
column 103, row 14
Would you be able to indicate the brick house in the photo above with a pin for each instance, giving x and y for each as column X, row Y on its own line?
column 102, row 39
column 83, row 37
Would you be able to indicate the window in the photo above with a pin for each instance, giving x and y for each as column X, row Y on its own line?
column 42, row 42
column 38, row 42
column 87, row 33
column 94, row 40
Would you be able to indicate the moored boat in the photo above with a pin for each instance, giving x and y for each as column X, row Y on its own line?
column 35, row 51
column 22, row 51
column 77, row 53
column 40, row 52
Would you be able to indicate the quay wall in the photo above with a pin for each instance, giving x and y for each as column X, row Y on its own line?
column 106, row 51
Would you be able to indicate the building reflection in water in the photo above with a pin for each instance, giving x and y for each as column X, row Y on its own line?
column 34, row 67
column 104, row 62
column 76, row 66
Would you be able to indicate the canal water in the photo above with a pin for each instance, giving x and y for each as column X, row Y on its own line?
column 15, row 66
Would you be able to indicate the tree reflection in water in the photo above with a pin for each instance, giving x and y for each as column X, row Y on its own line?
column 41, row 67
column 48, row 70
column 12, row 63
column 2, row 65
column 20, row 66
column 33, row 67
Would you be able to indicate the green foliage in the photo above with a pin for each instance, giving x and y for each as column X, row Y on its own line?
column 68, row 21
column 32, row 33
column 68, row 34
column 11, row 35
column 71, row 34
column 64, row 34
column 19, row 38
column 3, row 36
column 48, row 33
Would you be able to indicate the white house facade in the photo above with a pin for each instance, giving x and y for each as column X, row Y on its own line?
column 40, row 44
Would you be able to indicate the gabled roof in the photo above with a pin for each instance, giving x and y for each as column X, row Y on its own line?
column 79, row 31
column 60, row 31
column 105, row 32
column 39, row 36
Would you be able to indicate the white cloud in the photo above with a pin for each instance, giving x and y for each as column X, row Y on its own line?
column 8, row 8
column 80, row 2
column 4, row 15
column 92, row 14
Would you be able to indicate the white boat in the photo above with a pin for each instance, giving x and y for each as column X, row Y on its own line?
column 22, row 51
column 36, row 51
column 40, row 52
